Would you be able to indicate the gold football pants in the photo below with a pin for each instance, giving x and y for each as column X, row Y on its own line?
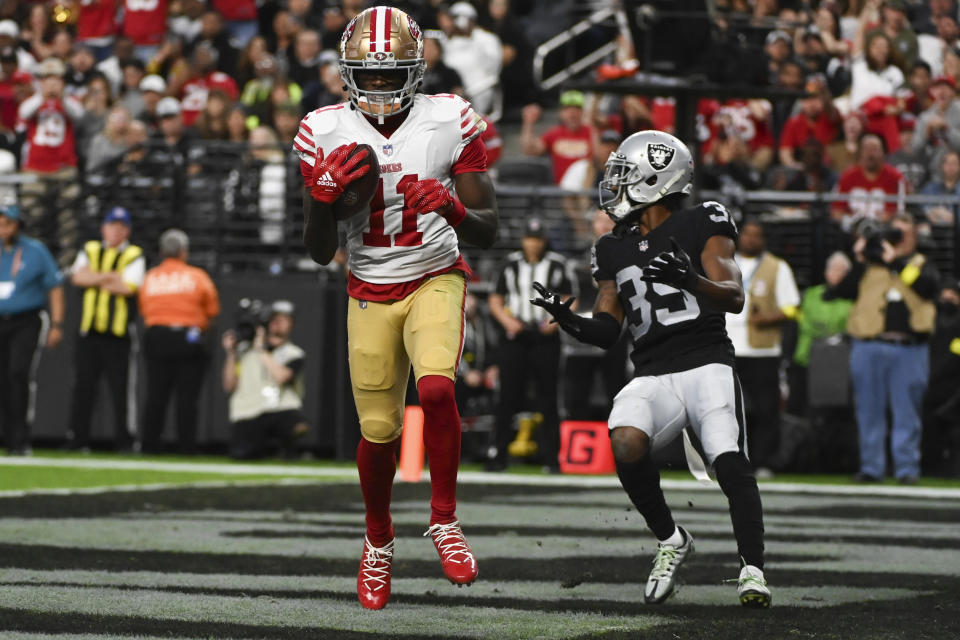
column 424, row 329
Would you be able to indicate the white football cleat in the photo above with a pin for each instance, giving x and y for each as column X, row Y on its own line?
column 752, row 588
column 662, row 581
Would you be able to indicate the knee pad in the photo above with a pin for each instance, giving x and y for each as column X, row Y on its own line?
column 380, row 431
column 380, row 413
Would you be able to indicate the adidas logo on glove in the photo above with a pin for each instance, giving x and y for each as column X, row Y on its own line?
column 326, row 180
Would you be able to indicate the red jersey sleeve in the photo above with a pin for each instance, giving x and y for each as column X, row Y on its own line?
column 473, row 158
column 306, row 172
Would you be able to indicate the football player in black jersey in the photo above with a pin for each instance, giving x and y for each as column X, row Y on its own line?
column 669, row 272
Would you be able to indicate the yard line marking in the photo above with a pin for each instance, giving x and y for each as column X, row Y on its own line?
column 155, row 486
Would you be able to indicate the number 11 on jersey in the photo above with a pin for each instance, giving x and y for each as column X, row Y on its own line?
column 408, row 236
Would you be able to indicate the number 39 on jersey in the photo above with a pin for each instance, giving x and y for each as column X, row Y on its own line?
column 664, row 321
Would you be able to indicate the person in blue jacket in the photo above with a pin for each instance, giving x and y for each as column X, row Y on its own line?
column 30, row 282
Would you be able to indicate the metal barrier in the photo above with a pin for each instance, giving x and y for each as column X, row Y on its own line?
column 613, row 17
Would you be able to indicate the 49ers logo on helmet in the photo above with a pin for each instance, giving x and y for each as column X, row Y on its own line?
column 348, row 32
column 414, row 28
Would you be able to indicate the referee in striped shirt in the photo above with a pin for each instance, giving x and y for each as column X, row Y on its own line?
column 530, row 349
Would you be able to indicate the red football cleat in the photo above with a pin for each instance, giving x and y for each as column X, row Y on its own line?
column 458, row 562
column 373, row 581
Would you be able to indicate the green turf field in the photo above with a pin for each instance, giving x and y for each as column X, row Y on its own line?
column 559, row 557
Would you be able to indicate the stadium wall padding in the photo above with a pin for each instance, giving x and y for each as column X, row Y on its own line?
column 320, row 329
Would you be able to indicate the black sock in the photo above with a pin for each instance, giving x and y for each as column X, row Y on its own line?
column 641, row 481
column 740, row 486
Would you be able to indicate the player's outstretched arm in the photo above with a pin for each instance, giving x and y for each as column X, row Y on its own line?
column 475, row 190
column 602, row 330
column 723, row 286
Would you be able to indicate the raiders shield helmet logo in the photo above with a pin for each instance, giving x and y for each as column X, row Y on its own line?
column 660, row 155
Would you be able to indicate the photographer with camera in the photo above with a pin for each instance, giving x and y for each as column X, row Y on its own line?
column 893, row 287
column 262, row 373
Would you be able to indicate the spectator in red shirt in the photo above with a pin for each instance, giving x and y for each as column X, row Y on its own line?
column 567, row 142
column 206, row 79
column 48, row 118
column 817, row 118
column 868, row 182
column 97, row 26
column 9, row 102
column 145, row 22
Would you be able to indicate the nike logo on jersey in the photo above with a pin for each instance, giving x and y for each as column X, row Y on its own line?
column 326, row 180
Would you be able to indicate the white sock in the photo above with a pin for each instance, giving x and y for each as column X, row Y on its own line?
column 676, row 539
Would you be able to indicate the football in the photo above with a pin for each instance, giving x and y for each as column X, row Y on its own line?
column 358, row 193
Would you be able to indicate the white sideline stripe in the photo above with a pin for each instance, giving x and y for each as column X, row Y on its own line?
column 466, row 477
column 158, row 486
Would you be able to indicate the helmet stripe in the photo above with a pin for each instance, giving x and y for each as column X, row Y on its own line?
column 373, row 30
column 386, row 29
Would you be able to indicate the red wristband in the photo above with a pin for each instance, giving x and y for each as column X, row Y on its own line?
column 456, row 215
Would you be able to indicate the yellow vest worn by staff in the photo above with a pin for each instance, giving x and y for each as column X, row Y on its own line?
column 105, row 312
column 868, row 316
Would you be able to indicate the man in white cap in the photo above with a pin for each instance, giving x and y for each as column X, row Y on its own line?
column 10, row 37
column 152, row 90
column 476, row 55
column 175, row 136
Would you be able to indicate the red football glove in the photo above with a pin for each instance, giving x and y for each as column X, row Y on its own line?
column 332, row 175
column 429, row 195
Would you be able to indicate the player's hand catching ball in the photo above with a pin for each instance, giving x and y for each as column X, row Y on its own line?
column 426, row 196
column 673, row 268
column 332, row 174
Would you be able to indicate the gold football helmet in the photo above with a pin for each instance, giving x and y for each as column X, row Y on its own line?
column 382, row 38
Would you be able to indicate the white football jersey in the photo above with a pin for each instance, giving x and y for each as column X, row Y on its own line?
column 389, row 245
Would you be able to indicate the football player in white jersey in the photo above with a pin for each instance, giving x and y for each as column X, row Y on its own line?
column 407, row 279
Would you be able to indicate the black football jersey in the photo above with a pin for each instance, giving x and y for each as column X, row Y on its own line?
column 671, row 330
